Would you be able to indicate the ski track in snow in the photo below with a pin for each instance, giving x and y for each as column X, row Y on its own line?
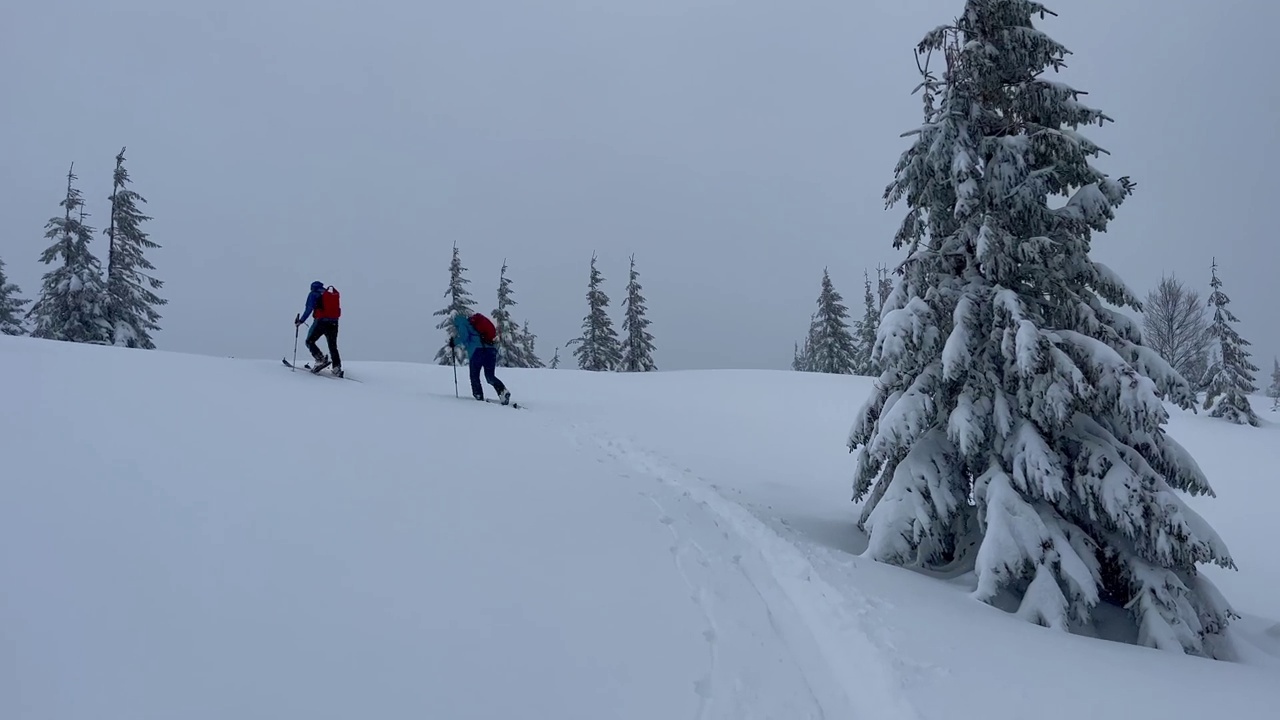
column 837, row 650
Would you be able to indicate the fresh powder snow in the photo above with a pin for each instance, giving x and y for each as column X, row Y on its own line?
column 195, row 537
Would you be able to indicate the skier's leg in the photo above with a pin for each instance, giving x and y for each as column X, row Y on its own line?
column 312, row 336
column 477, row 362
column 331, row 337
column 490, row 366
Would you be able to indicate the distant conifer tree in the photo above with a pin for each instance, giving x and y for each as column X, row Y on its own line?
column 637, row 352
column 460, row 302
column 597, row 348
column 73, row 297
column 132, row 300
column 11, row 306
column 1230, row 377
column 832, row 348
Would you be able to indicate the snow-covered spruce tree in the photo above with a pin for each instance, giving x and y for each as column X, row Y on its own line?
column 597, row 348
column 555, row 360
column 864, row 340
column 1273, row 392
column 831, row 345
column 510, row 348
column 132, row 300
column 527, row 351
column 1016, row 426
column 1230, row 377
column 73, row 296
column 460, row 301
column 637, row 350
column 10, row 307
column 1176, row 325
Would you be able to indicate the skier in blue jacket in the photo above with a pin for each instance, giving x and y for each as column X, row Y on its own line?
column 481, row 354
column 324, row 306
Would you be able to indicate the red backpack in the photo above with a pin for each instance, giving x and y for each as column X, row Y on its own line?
column 329, row 306
column 484, row 328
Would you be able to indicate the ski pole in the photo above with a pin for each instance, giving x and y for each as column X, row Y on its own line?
column 296, row 327
column 453, row 360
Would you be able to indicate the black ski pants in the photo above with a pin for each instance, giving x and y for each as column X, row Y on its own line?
column 484, row 358
column 328, row 329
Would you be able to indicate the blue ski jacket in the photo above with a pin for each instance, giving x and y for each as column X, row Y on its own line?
column 465, row 335
column 317, row 288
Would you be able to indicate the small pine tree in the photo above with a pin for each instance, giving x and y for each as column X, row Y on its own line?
column 865, row 331
column 637, row 354
column 73, row 297
column 510, row 346
column 10, row 307
column 597, row 348
column 798, row 361
column 132, row 300
column 832, row 346
column 884, row 287
column 1017, row 427
column 555, row 360
column 802, row 361
column 527, row 351
column 1230, row 377
column 1273, row 392
column 460, row 302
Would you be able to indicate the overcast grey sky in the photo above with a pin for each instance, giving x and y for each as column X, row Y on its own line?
column 736, row 148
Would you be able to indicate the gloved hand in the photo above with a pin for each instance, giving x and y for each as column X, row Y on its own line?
column 452, row 344
column 297, row 320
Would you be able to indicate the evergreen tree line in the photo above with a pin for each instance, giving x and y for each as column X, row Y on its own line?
column 834, row 344
column 79, row 300
column 599, row 348
column 1203, row 348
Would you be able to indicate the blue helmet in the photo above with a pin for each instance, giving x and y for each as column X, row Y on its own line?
column 317, row 286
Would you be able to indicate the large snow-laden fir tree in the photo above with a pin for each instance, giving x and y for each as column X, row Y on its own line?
column 72, row 305
column 132, row 300
column 460, row 301
column 510, row 344
column 597, row 348
column 830, row 346
column 11, row 306
column 864, row 340
column 1016, row 427
column 637, row 349
column 1230, row 377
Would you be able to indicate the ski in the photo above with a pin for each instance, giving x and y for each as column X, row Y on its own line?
column 493, row 401
column 313, row 371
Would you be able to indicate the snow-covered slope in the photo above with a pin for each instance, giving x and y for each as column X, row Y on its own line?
column 192, row 537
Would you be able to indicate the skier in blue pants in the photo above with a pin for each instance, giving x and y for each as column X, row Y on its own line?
column 477, row 334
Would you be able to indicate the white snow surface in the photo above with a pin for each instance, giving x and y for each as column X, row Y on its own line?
column 199, row 538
